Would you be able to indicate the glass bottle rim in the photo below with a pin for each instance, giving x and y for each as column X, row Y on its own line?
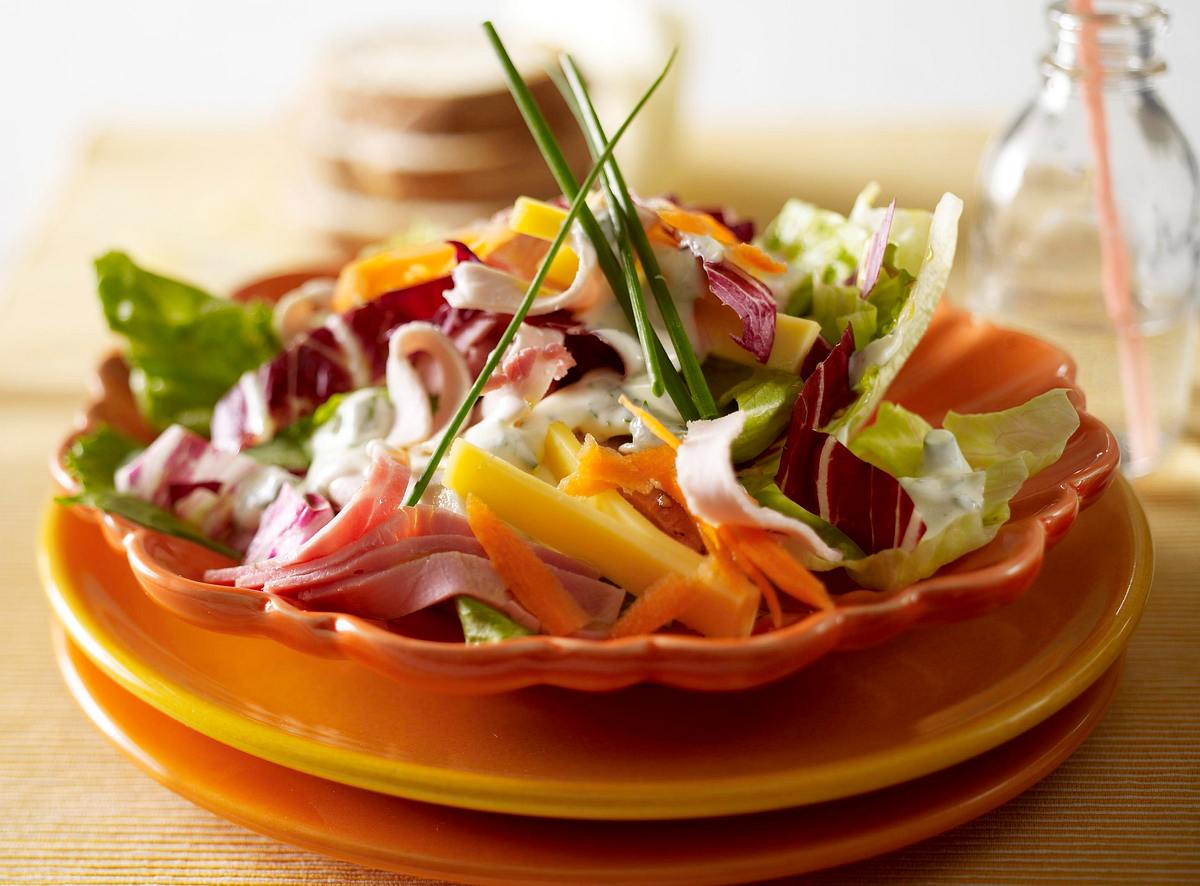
column 1125, row 33
column 1139, row 14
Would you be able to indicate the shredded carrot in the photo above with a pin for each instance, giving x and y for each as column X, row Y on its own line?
column 661, row 603
column 658, row 233
column 739, row 550
column 746, row 564
column 698, row 223
column 781, row 567
column 528, row 578
column 754, row 259
column 601, row 468
column 653, row 425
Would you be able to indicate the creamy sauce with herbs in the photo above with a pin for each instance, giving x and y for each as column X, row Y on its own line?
column 947, row 488
column 339, row 446
column 876, row 353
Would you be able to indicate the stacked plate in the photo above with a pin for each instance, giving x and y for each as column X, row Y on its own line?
column 419, row 131
column 857, row 754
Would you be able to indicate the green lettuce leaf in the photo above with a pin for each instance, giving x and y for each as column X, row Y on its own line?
column 93, row 461
column 186, row 347
column 1006, row 447
column 874, row 367
column 1037, row 431
column 766, row 397
column 894, row 442
column 815, row 241
column 483, row 624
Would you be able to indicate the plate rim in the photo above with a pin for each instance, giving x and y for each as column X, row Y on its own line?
column 554, row 797
column 783, row 861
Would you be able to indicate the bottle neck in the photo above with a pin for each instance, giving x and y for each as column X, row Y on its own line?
column 1115, row 41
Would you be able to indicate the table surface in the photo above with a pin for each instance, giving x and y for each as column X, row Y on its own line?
column 212, row 206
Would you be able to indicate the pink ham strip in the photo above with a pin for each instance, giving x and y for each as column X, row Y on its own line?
column 380, row 496
column 403, row 524
column 535, row 360
column 445, row 374
column 601, row 601
column 416, row 584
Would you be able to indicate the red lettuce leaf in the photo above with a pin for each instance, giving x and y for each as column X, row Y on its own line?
column 825, row 478
column 817, row 353
column 321, row 363
column 318, row 365
column 751, row 300
column 873, row 260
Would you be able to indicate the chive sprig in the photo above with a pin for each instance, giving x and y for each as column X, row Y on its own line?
column 630, row 231
column 535, row 285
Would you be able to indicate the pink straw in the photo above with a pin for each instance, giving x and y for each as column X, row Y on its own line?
column 1114, row 256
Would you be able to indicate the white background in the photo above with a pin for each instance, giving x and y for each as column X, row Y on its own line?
column 68, row 66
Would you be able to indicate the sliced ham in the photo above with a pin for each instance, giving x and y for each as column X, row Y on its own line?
column 536, row 359
column 705, row 471
column 404, row 524
column 380, row 496
column 407, row 586
column 414, row 585
column 423, row 362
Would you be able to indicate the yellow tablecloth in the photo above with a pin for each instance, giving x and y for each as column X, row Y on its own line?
column 213, row 206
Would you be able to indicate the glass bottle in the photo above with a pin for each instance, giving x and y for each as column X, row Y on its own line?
column 1098, row 255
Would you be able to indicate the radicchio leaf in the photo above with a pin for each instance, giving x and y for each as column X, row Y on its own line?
column 873, row 260
column 349, row 352
column 751, row 300
column 824, row 477
column 589, row 350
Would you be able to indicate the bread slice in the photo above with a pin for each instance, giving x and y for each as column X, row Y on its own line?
column 432, row 81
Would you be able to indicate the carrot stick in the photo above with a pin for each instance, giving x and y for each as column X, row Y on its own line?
column 781, row 567
column 528, row 578
column 659, row 604
column 601, row 469
column 745, row 563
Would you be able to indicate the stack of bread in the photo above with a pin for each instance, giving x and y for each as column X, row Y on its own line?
column 418, row 133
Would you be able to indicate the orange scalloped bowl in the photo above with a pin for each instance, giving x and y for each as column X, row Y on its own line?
column 962, row 364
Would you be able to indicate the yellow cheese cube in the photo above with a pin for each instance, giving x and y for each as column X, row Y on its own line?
column 543, row 221
column 794, row 337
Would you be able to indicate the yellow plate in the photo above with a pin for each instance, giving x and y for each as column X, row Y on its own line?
column 850, row 723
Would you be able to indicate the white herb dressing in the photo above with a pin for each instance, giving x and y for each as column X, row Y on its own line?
column 590, row 406
column 339, row 446
column 876, row 353
column 947, row 488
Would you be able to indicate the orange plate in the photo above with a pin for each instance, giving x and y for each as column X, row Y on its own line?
column 848, row 724
column 476, row 847
column 961, row 364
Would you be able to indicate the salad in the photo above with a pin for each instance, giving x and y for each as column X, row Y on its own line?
column 602, row 415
